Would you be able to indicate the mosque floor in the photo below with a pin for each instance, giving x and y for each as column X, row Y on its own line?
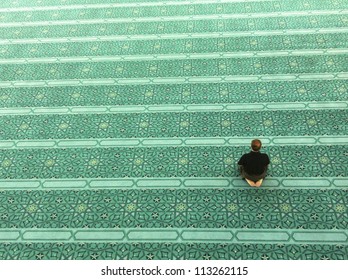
column 121, row 124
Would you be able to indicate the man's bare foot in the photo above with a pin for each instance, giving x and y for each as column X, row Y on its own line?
column 258, row 183
column 251, row 183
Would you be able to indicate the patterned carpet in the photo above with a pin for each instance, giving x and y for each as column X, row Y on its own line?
column 122, row 122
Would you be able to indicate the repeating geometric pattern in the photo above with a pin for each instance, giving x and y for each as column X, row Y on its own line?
column 309, row 4
column 121, row 125
column 208, row 161
column 177, row 68
column 170, row 251
column 202, row 93
column 138, row 125
column 172, row 27
column 213, row 208
column 114, row 11
column 170, row 46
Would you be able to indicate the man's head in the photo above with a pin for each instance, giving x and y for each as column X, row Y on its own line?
column 256, row 145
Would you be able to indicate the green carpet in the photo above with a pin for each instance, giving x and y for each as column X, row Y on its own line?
column 121, row 124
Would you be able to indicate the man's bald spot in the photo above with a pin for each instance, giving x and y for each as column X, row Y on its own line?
column 256, row 145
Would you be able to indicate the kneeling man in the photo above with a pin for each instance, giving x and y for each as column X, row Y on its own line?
column 253, row 166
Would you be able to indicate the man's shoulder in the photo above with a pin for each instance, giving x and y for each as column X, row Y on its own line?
column 242, row 159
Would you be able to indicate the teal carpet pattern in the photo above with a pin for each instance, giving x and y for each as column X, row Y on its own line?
column 122, row 122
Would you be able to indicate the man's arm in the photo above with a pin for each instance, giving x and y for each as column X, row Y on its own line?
column 267, row 162
column 242, row 160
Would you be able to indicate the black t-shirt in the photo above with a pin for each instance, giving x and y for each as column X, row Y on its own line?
column 254, row 163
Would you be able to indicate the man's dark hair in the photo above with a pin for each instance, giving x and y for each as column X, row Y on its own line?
column 256, row 145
